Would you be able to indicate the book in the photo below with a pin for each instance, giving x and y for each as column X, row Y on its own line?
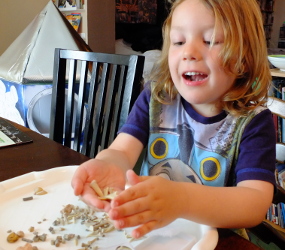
column 69, row 4
column 281, row 218
column 279, row 84
column 74, row 19
column 280, row 167
column 276, row 214
column 283, row 120
column 10, row 135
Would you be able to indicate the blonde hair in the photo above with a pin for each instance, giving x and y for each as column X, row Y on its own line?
column 244, row 54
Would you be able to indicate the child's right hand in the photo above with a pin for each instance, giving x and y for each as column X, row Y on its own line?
column 106, row 175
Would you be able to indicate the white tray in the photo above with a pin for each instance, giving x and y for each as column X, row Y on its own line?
column 16, row 215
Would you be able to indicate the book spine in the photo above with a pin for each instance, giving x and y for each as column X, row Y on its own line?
column 281, row 217
column 283, row 120
column 283, row 213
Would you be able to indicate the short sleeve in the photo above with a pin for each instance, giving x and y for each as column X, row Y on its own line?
column 137, row 123
column 257, row 154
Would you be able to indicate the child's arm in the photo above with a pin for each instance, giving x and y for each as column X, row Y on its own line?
column 108, row 168
column 154, row 202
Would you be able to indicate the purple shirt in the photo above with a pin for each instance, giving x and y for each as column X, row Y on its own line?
column 221, row 150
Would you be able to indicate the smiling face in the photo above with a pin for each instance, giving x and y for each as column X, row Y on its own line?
column 194, row 62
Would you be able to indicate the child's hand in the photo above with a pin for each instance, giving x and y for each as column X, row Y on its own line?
column 104, row 174
column 151, row 202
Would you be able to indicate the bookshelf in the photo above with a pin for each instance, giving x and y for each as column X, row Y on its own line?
column 277, row 73
column 97, row 25
column 274, row 220
column 267, row 10
column 68, row 8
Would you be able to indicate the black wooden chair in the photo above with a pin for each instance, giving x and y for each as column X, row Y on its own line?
column 92, row 95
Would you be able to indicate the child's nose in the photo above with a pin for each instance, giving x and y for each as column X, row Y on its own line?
column 191, row 52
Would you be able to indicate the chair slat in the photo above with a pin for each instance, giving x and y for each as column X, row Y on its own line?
column 70, row 103
column 90, row 108
column 99, row 108
column 118, row 102
column 80, row 109
column 109, row 105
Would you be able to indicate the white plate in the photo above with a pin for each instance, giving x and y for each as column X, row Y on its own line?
column 16, row 215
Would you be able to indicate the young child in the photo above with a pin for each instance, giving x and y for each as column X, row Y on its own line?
column 203, row 122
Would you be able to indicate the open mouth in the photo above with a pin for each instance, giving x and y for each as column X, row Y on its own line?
column 194, row 76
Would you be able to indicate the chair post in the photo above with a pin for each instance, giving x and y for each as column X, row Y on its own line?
column 57, row 104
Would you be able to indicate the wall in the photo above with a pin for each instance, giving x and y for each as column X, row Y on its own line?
column 101, row 25
column 14, row 18
column 279, row 18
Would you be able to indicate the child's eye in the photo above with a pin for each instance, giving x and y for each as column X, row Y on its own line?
column 212, row 43
column 178, row 43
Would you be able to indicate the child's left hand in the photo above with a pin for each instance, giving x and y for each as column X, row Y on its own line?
column 151, row 202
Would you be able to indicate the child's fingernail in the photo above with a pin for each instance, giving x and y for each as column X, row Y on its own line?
column 136, row 235
column 113, row 214
column 114, row 203
column 121, row 223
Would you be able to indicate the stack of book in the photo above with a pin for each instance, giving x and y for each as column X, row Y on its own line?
column 279, row 92
column 276, row 214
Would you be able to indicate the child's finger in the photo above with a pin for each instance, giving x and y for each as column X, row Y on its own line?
column 132, row 178
column 144, row 229
column 89, row 197
column 126, row 210
column 134, row 220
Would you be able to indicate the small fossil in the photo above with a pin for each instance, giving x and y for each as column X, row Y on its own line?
column 51, row 230
column 68, row 236
column 96, row 188
column 12, row 237
column 57, row 241
column 28, row 198
column 20, row 234
column 43, row 237
column 123, row 248
column 27, row 240
column 39, row 191
column 107, row 194
column 67, row 209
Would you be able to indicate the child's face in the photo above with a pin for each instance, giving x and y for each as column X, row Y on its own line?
column 194, row 64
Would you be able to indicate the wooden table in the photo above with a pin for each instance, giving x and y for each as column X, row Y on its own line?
column 39, row 155
column 44, row 153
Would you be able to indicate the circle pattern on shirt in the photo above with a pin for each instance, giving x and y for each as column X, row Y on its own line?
column 159, row 148
column 210, row 168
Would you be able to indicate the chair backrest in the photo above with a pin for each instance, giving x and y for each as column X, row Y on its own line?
column 92, row 95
